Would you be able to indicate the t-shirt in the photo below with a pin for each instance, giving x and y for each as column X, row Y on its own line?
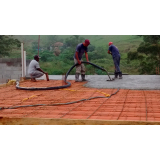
column 81, row 49
column 114, row 50
column 33, row 66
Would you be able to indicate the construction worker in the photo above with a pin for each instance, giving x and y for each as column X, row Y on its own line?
column 34, row 69
column 113, row 50
column 80, row 50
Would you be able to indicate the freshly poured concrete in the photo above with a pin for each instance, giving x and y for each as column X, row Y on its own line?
column 128, row 82
column 147, row 82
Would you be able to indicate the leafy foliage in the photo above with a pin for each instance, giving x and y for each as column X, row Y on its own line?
column 152, row 39
column 59, row 60
column 7, row 43
column 148, row 54
column 73, row 41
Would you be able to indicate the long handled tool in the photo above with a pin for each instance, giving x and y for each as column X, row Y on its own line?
column 110, row 79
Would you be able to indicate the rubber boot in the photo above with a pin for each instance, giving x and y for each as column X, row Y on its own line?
column 120, row 75
column 115, row 75
column 77, row 77
column 83, row 77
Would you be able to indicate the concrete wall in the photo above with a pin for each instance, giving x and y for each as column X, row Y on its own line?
column 11, row 69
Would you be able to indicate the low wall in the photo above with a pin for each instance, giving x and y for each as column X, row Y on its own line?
column 11, row 68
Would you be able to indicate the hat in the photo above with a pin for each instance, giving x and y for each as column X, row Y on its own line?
column 110, row 43
column 36, row 56
column 87, row 41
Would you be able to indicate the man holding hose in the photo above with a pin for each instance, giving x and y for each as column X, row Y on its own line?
column 80, row 68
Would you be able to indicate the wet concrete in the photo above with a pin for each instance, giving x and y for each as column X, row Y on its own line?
column 146, row 82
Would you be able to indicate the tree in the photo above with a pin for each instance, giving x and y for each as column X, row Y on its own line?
column 7, row 43
column 34, row 45
column 148, row 54
column 91, row 48
column 73, row 41
column 51, row 39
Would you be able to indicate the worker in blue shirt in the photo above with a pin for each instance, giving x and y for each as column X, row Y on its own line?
column 80, row 68
column 113, row 50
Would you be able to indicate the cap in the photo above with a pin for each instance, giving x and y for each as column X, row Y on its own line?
column 110, row 43
column 36, row 56
column 87, row 41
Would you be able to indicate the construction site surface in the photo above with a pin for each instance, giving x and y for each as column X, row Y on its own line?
column 132, row 100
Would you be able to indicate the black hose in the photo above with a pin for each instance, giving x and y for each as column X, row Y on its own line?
column 59, row 87
column 44, row 88
column 87, row 63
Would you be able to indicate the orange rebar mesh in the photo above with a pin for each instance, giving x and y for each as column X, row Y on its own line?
column 130, row 105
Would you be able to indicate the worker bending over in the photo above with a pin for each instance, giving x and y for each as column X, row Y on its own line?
column 113, row 50
column 80, row 50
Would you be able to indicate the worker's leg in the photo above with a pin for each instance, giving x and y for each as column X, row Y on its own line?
column 78, row 71
column 116, row 63
column 83, row 70
column 120, row 73
column 115, row 74
column 36, row 74
column 117, row 68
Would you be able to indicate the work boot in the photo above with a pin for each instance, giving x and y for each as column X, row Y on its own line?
column 115, row 75
column 77, row 77
column 83, row 77
column 120, row 75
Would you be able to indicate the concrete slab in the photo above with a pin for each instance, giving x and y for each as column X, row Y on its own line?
column 146, row 82
column 125, row 107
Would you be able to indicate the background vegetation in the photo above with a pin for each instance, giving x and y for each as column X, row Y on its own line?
column 139, row 54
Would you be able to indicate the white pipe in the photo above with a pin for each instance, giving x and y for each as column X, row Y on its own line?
column 25, row 64
column 22, row 57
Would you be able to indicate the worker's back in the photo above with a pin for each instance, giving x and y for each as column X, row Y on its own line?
column 114, row 50
column 33, row 66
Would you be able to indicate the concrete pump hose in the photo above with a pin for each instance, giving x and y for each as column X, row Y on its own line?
column 58, row 87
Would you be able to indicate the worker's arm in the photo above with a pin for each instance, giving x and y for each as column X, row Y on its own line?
column 41, row 70
column 86, row 54
column 79, row 62
column 109, row 52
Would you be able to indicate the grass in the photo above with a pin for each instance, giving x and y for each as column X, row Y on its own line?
column 125, row 43
column 122, row 41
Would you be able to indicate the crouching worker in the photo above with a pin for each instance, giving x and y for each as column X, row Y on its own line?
column 80, row 50
column 113, row 50
column 34, row 69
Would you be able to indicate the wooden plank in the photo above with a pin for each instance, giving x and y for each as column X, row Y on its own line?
column 47, row 121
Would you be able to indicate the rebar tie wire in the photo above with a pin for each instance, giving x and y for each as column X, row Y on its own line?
column 99, row 107
column 123, row 105
column 145, row 104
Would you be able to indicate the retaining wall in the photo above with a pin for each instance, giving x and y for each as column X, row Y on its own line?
column 11, row 68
